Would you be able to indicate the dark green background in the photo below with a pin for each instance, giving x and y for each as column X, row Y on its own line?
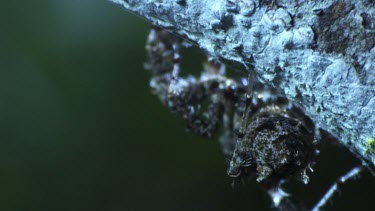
column 80, row 130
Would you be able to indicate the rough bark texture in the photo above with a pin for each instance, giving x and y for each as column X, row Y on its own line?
column 321, row 53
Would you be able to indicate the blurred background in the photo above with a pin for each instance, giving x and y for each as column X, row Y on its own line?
column 80, row 129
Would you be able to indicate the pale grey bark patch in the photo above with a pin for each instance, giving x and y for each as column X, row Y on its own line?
column 320, row 53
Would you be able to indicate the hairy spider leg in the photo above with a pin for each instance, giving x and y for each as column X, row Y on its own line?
column 185, row 95
column 235, row 172
column 354, row 172
column 248, row 99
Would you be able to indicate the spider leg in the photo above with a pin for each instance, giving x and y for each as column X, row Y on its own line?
column 185, row 95
column 206, row 123
column 220, row 93
column 335, row 187
column 248, row 98
column 227, row 139
column 246, row 102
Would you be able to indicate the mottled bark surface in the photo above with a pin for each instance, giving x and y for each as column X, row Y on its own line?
column 320, row 53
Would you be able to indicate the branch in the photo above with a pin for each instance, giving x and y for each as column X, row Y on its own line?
column 322, row 55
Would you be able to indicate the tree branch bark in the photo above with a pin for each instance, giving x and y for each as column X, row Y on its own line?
column 321, row 53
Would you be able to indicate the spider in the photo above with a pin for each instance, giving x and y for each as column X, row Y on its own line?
column 264, row 134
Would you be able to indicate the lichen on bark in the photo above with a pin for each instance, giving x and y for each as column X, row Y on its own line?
column 320, row 53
